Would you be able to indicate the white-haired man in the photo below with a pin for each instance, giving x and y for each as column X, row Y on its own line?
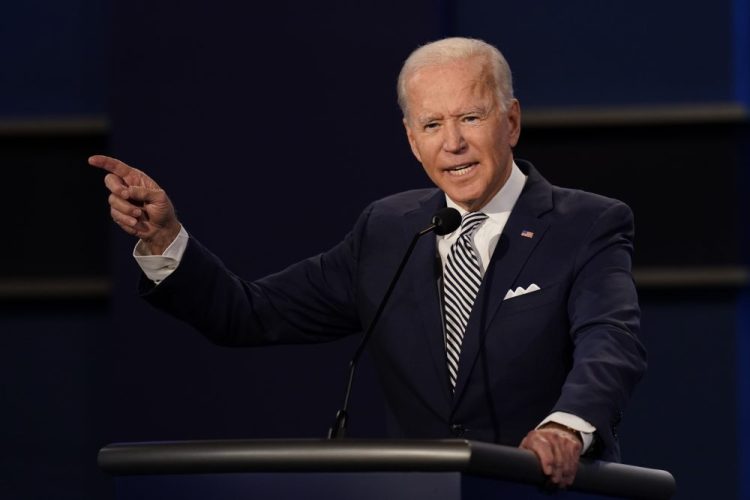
column 526, row 336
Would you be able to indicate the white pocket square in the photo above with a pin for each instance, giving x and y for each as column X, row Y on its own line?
column 521, row 291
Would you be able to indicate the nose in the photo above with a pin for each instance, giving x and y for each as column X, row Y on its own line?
column 453, row 140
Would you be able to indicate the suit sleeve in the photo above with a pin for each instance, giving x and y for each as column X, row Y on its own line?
column 608, row 358
column 311, row 301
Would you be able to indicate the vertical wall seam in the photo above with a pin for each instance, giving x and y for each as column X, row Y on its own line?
column 743, row 392
column 741, row 50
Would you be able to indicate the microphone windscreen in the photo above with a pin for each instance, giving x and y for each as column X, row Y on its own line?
column 446, row 220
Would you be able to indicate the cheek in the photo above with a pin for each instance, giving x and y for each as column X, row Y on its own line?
column 427, row 152
column 493, row 145
column 415, row 149
column 431, row 171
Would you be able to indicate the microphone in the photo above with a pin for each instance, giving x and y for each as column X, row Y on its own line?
column 445, row 221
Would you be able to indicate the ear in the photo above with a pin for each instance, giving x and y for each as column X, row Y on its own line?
column 412, row 140
column 513, row 116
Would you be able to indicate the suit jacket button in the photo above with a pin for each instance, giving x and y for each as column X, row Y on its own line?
column 458, row 430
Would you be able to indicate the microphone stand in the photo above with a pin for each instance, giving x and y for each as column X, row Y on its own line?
column 444, row 222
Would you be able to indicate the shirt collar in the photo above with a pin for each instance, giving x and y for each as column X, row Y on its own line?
column 498, row 208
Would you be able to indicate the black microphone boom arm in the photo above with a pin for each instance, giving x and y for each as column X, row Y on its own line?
column 445, row 221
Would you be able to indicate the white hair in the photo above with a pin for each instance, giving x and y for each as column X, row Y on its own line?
column 453, row 49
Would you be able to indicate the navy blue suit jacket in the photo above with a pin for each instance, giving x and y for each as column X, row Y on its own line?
column 571, row 346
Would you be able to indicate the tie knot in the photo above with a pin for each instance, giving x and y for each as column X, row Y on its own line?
column 471, row 222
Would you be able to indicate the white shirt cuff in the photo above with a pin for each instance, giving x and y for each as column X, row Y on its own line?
column 584, row 428
column 158, row 267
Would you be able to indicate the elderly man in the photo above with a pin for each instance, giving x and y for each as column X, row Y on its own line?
column 527, row 333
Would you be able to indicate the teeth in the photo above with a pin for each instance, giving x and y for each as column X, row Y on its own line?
column 461, row 169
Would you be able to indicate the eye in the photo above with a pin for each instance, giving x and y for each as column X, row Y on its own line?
column 431, row 126
column 471, row 118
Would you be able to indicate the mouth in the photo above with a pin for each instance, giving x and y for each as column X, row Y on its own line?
column 463, row 169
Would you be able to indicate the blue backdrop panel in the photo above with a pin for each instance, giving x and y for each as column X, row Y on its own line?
column 53, row 58
column 53, row 374
column 590, row 53
column 691, row 382
column 741, row 50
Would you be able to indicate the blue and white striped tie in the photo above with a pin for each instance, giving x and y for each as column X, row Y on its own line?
column 461, row 283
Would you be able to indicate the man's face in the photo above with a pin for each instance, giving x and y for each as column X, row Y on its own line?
column 459, row 132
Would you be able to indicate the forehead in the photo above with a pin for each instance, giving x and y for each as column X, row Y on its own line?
column 467, row 82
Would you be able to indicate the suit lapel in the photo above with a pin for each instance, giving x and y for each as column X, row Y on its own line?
column 422, row 272
column 521, row 235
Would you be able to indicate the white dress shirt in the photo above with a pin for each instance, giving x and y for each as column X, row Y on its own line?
column 159, row 267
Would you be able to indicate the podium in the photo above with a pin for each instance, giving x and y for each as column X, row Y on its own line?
column 449, row 469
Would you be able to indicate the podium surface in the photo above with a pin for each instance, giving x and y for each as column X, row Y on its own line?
column 367, row 469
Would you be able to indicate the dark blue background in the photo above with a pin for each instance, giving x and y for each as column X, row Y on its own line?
column 271, row 126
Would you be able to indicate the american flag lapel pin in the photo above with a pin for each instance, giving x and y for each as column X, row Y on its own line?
column 527, row 234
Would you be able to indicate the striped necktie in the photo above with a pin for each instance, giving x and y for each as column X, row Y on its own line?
column 461, row 284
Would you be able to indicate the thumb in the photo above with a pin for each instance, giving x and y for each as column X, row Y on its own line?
column 143, row 194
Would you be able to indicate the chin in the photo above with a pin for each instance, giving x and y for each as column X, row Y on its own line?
column 468, row 205
column 463, row 199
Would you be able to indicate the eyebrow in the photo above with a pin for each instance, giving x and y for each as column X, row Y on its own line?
column 479, row 110
column 425, row 119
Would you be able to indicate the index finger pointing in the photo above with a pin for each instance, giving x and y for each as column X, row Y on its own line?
column 112, row 165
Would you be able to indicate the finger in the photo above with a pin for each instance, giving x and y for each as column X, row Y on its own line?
column 570, row 475
column 559, row 467
column 553, row 443
column 566, row 450
column 112, row 165
column 557, row 452
column 125, row 222
column 115, row 184
column 572, row 452
column 122, row 219
column 124, row 207
column 143, row 194
column 542, row 449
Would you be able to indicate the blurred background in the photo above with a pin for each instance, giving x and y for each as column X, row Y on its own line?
column 250, row 113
